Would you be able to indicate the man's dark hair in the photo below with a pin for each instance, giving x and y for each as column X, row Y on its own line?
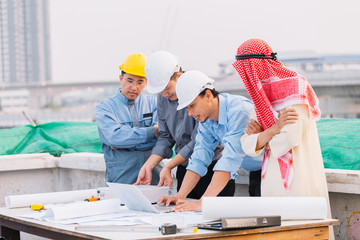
column 122, row 73
column 213, row 91
column 174, row 74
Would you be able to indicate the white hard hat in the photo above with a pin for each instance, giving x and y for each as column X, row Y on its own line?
column 189, row 85
column 159, row 68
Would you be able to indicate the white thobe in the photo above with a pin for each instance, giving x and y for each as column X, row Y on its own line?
column 309, row 178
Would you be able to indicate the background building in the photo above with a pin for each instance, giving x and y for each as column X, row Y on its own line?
column 24, row 42
column 14, row 100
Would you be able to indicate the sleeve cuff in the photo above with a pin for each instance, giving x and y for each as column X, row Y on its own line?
column 201, row 170
column 186, row 152
column 165, row 152
column 248, row 143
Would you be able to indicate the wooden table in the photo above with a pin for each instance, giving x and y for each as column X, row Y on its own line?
column 11, row 224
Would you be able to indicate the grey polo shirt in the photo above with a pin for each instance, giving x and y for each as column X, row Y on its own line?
column 176, row 128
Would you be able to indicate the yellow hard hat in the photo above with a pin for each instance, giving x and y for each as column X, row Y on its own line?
column 134, row 64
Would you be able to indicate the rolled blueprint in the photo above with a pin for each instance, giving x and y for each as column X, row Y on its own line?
column 25, row 200
column 289, row 208
column 82, row 209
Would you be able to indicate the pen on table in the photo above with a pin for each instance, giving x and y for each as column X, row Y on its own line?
column 116, row 228
column 188, row 230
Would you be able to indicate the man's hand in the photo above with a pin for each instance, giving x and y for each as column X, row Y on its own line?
column 156, row 128
column 165, row 177
column 185, row 206
column 286, row 116
column 253, row 127
column 144, row 176
column 168, row 200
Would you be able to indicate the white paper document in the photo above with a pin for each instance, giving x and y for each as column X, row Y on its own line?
column 82, row 209
column 77, row 210
column 25, row 200
column 109, row 212
column 289, row 208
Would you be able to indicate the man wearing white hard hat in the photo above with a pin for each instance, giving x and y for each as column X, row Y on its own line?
column 222, row 118
column 177, row 128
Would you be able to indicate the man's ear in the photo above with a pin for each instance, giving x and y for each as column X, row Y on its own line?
column 208, row 94
column 178, row 74
column 120, row 78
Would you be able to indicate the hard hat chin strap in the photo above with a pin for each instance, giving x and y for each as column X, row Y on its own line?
column 263, row 56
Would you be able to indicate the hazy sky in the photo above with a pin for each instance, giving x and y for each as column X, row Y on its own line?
column 91, row 38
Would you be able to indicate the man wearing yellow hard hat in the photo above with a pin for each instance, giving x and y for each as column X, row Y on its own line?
column 127, row 124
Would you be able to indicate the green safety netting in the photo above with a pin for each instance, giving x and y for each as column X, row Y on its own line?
column 54, row 138
column 339, row 140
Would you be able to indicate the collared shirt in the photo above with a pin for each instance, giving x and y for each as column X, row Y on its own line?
column 176, row 128
column 115, row 123
column 234, row 114
column 116, row 130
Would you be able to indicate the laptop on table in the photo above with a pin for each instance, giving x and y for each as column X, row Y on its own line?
column 135, row 200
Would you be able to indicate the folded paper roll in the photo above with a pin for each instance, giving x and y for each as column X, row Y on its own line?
column 82, row 209
column 26, row 200
column 289, row 208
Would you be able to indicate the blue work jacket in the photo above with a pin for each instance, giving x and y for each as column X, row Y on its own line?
column 176, row 128
column 234, row 114
column 133, row 144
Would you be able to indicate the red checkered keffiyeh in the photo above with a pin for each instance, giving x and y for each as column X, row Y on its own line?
column 273, row 87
